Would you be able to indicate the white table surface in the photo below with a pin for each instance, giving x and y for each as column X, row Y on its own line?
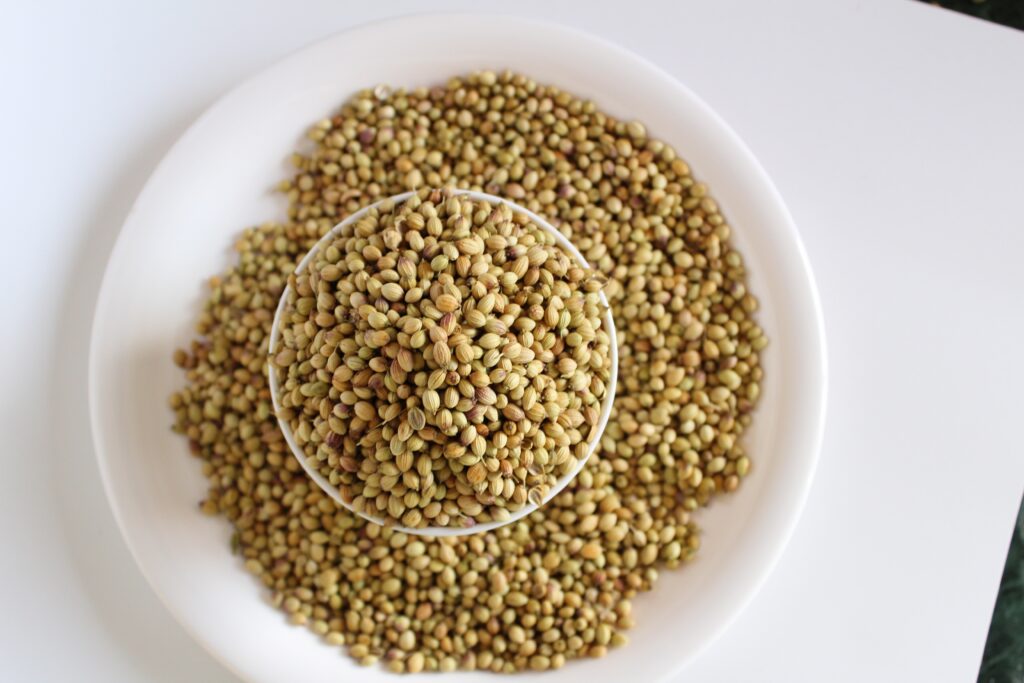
column 893, row 130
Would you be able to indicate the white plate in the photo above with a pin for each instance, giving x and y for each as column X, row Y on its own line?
column 216, row 181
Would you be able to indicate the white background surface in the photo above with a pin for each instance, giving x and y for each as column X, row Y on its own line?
column 891, row 128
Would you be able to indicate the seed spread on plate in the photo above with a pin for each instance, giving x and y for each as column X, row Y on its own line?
column 556, row 585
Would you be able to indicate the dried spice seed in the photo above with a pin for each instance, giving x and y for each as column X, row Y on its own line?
column 397, row 385
column 668, row 280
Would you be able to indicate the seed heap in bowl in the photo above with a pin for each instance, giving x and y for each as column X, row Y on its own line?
column 557, row 584
column 443, row 361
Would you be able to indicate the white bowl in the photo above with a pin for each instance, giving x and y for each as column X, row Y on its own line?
column 595, row 435
column 216, row 181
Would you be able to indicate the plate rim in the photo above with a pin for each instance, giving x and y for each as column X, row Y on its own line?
column 816, row 321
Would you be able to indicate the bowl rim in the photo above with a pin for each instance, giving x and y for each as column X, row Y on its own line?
column 607, row 320
column 818, row 364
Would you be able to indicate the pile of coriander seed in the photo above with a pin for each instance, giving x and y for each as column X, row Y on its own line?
column 558, row 584
column 442, row 361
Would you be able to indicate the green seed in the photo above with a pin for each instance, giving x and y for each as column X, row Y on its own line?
column 730, row 379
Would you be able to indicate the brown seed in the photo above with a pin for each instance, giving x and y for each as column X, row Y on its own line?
column 442, row 354
column 513, row 412
column 365, row 411
column 476, row 474
column 485, row 396
column 447, row 303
